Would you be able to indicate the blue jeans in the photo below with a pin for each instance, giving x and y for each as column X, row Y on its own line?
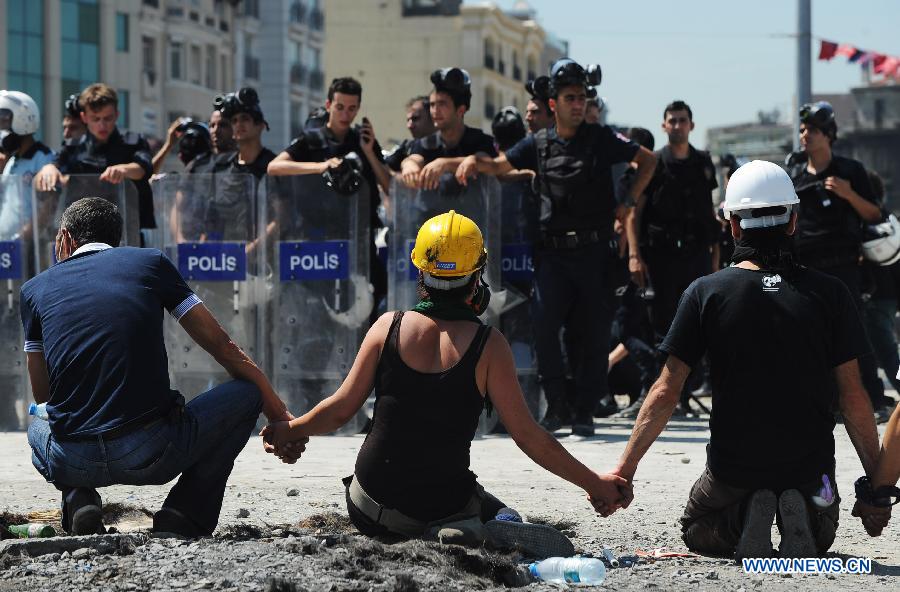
column 201, row 445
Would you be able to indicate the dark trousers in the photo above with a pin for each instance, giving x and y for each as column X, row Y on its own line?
column 571, row 286
column 714, row 516
column 868, row 367
column 880, row 325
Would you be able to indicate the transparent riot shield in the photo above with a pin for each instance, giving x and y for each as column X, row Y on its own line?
column 207, row 226
column 49, row 206
column 520, row 210
column 15, row 268
column 410, row 208
column 318, row 294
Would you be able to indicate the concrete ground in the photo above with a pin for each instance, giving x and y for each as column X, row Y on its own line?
column 264, row 494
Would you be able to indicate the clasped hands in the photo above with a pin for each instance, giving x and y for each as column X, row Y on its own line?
column 278, row 440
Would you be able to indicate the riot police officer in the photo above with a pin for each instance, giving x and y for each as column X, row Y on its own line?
column 837, row 199
column 672, row 227
column 194, row 146
column 538, row 115
column 242, row 110
column 221, row 133
column 419, row 124
column 573, row 162
column 105, row 151
column 73, row 127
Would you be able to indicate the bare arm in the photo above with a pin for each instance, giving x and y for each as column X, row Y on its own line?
column 283, row 165
column 887, row 471
column 858, row 415
column 482, row 163
column 646, row 165
column 40, row 377
column 539, row 445
column 654, row 415
column 410, row 169
column 619, row 353
column 203, row 328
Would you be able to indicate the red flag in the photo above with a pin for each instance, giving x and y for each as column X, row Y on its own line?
column 867, row 58
column 890, row 66
column 878, row 63
column 845, row 50
column 827, row 50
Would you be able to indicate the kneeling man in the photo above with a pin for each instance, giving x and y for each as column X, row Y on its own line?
column 783, row 342
column 94, row 341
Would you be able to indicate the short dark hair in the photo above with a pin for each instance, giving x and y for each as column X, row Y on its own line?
column 678, row 105
column 419, row 99
column 642, row 136
column 346, row 86
column 93, row 220
column 453, row 294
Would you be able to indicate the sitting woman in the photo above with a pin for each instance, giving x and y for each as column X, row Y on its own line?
column 434, row 369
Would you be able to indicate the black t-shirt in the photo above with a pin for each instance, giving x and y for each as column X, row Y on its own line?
column 472, row 141
column 227, row 162
column 98, row 318
column 396, row 158
column 772, row 341
column 87, row 157
column 829, row 229
column 320, row 144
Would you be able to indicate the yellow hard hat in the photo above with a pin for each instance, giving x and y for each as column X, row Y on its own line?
column 449, row 245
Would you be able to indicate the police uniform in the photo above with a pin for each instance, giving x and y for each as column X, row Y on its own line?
column 229, row 215
column 829, row 237
column 571, row 261
column 678, row 227
column 396, row 158
column 88, row 157
column 201, row 164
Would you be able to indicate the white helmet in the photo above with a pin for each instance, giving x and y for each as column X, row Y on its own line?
column 760, row 184
column 883, row 242
column 25, row 115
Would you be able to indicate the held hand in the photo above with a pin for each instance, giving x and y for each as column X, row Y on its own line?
column 609, row 493
column 468, row 168
column 410, row 178
column 172, row 134
column 113, row 174
column 278, row 440
column 331, row 163
column 638, row 270
column 838, row 186
column 431, row 174
column 47, row 178
column 367, row 136
column 874, row 519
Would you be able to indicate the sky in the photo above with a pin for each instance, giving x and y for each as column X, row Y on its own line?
column 727, row 60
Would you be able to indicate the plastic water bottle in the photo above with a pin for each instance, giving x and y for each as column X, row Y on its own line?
column 569, row 570
column 32, row 531
column 39, row 411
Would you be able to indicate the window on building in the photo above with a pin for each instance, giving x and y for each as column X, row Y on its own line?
column 25, row 44
column 489, row 54
column 297, row 118
column 225, row 70
column 211, row 66
column 176, row 60
column 121, row 32
column 80, row 47
column 124, row 121
column 490, row 104
column 251, row 8
column 298, row 11
column 196, row 72
column 532, row 68
column 298, row 69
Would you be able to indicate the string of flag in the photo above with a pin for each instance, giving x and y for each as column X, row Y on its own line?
column 883, row 64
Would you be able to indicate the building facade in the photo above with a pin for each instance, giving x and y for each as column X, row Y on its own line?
column 392, row 46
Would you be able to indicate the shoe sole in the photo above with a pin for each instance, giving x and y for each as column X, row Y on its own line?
column 87, row 520
column 533, row 540
column 756, row 538
column 796, row 536
column 167, row 522
column 585, row 431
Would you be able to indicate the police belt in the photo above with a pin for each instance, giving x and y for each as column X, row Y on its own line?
column 572, row 239
column 152, row 419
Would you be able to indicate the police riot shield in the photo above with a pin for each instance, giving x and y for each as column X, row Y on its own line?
column 520, row 212
column 49, row 206
column 410, row 208
column 318, row 293
column 15, row 267
column 207, row 226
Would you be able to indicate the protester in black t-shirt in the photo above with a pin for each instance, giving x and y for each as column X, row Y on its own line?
column 443, row 151
column 779, row 337
column 837, row 200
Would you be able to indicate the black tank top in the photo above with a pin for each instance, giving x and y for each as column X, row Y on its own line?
column 416, row 458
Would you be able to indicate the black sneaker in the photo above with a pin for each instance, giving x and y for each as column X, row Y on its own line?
column 172, row 521
column 82, row 512
column 583, row 425
column 796, row 536
column 756, row 537
column 606, row 407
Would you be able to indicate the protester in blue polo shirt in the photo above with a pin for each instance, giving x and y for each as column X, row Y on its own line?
column 94, row 343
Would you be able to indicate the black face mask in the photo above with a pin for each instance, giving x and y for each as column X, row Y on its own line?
column 9, row 142
column 770, row 248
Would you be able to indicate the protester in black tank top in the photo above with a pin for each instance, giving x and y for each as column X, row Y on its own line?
column 434, row 370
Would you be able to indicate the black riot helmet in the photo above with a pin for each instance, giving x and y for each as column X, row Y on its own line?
column 244, row 100
column 195, row 140
column 456, row 83
column 508, row 127
column 820, row 115
column 73, row 107
column 539, row 88
column 346, row 177
column 568, row 72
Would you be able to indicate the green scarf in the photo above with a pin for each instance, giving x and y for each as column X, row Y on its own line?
column 446, row 310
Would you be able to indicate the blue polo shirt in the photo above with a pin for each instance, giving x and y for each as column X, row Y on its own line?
column 98, row 318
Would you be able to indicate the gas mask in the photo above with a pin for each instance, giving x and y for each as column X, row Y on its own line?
column 10, row 141
column 482, row 296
